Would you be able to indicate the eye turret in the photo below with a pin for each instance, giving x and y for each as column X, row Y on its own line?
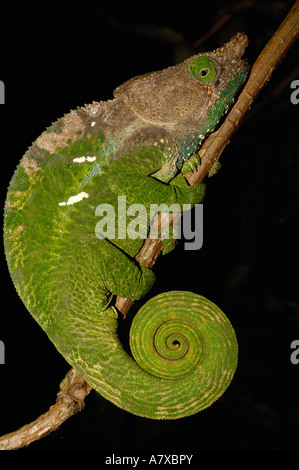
column 204, row 69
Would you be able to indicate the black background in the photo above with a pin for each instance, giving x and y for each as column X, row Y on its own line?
column 53, row 60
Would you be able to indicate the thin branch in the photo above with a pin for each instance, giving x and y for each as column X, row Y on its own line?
column 70, row 399
column 74, row 389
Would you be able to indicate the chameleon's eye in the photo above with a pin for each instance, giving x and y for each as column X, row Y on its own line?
column 203, row 69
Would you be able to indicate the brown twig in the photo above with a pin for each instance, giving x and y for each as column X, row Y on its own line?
column 70, row 399
column 279, row 88
column 73, row 388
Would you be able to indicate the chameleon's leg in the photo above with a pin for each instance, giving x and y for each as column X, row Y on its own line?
column 135, row 181
column 119, row 273
column 191, row 163
column 86, row 303
column 195, row 160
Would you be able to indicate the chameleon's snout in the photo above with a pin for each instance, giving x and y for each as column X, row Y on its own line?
column 232, row 52
column 236, row 46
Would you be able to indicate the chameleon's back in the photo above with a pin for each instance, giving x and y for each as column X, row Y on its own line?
column 43, row 231
column 66, row 274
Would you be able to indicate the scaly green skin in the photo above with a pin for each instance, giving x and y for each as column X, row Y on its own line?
column 133, row 146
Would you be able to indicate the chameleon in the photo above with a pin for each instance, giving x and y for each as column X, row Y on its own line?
column 183, row 349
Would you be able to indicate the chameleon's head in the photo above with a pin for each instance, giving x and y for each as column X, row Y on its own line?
column 182, row 95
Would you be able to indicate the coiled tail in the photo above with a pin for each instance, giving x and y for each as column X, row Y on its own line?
column 185, row 353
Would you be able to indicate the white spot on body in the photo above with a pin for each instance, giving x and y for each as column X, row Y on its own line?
column 73, row 199
column 84, row 159
column 93, row 123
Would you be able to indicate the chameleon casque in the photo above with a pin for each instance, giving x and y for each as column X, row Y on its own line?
column 67, row 275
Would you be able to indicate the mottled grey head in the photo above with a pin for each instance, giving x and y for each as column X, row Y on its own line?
column 183, row 94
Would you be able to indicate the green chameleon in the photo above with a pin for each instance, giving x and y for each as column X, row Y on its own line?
column 67, row 273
